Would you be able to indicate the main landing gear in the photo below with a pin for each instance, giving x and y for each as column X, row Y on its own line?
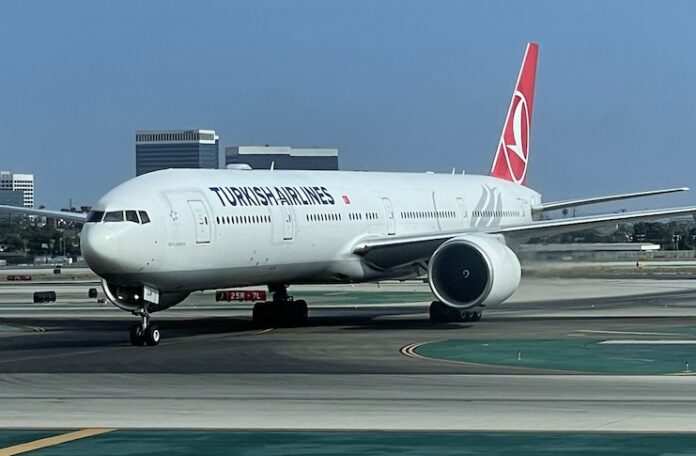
column 144, row 333
column 283, row 310
column 442, row 313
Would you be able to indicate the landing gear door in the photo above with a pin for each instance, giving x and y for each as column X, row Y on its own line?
column 463, row 215
column 389, row 212
column 201, row 220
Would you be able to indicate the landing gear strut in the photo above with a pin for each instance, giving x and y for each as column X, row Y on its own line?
column 442, row 313
column 283, row 310
column 144, row 333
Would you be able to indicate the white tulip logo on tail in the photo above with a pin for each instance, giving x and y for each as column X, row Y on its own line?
column 517, row 150
column 512, row 156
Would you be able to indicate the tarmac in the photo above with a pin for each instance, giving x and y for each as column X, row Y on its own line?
column 573, row 356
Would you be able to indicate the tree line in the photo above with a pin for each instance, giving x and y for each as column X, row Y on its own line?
column 22, row 239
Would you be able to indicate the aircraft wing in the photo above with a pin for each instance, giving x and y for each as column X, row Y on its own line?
column 389, row 252
column 545, row 207
column 74, row 216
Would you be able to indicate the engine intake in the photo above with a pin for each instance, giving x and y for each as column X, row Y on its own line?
column 474, row 270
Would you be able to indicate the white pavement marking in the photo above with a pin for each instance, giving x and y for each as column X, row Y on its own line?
column 627, row 333
column 648, row 342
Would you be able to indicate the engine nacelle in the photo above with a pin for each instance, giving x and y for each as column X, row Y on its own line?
column 131, row 298
column 473, row 270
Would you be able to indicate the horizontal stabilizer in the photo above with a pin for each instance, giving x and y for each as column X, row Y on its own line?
column 553, row 206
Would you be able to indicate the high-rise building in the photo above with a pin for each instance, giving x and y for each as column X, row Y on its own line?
column 282, row 157
column 10, row 198
column 162, row 149
column 19, row 182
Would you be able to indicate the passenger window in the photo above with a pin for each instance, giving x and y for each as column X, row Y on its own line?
column 144, row 217
column 95, row 216
column 114, row 216
column 132, row 216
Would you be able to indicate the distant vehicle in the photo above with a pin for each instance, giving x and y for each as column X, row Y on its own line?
column 156, row 238
column 44, row 296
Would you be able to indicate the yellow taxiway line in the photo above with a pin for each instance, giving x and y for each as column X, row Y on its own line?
column 52, row 441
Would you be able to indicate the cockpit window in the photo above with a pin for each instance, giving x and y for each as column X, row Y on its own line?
column 95, row 216
column 132, row 216
column 144, row 217
column 114, row 216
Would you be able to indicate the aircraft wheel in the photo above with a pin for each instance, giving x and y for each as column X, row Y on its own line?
column 137, row 338
column 261, row 313
column 439, row 312
column 153, row 335
column 300, row 311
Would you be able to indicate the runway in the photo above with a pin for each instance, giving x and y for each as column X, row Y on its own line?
column 350, row 402
column 69, row 365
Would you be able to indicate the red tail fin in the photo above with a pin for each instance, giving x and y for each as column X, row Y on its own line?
column 511, row 159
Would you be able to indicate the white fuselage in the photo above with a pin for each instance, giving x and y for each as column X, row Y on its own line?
column 219, row 228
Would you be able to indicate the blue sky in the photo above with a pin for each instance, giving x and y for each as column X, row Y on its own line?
column 395, row 85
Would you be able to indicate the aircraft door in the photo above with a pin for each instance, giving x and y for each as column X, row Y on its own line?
column 389, row 212
column 288, row 223
column 284, row 225
column 463, row 215
column 437, row 213
column 202, row 221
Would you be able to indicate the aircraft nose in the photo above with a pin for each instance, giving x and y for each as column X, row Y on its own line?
column 100, row 249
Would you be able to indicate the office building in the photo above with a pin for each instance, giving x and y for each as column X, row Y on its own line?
column 162, row 149
column 19, row 182
column 282, row 157
column 10, row 198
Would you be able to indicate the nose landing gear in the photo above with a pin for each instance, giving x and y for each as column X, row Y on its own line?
column 144, row 333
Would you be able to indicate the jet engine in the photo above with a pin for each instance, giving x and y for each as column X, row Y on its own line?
column 473, row 270
column 131, row 298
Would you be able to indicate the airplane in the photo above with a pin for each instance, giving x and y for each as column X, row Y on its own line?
column 158, row 237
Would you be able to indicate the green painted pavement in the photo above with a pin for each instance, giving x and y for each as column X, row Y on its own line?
column 691, row 330
column 362, row 297
column 578, row 355
column 174, row 443
column 15, row 437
